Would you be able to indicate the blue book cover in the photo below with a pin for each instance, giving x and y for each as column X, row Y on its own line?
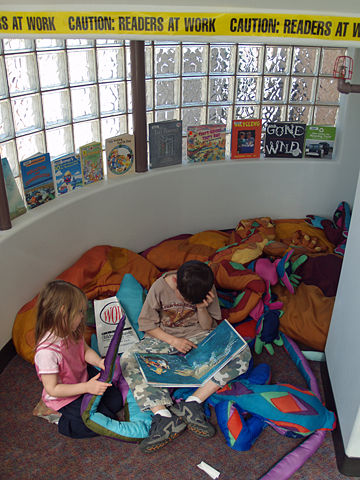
column 37, row 178
column 67, row 173
column 196, row 367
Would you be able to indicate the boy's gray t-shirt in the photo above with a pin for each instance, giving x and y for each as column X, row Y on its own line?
column 163, row 309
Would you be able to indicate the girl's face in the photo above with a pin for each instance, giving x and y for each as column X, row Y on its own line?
column 78, row 318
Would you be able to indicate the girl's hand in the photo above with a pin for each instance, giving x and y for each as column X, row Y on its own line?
column 95, row 387
column 183, row 345
column 206, row 302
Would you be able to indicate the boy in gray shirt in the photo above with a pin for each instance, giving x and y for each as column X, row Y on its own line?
column 180, row 309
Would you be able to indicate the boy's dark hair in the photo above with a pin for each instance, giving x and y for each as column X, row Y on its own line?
column 194, row 281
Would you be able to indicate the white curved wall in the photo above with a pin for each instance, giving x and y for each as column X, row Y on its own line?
column 138, row 211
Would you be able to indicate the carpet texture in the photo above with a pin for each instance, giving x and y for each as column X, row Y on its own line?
column 31, row 448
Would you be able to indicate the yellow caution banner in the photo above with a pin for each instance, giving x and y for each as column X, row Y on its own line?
column 180, row 24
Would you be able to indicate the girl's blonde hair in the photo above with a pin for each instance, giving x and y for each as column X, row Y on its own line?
column 58, row 305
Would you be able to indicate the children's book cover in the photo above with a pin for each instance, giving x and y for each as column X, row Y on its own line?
column 108, row 313
column 15, row 201
column 67, row 173
column 319, row 141
column 284, row 139
column 91, row 162
column 206, row 143
column 196, row 367
column 246, row 138
column 120, row 155
column 37, row 178
column 165, row 143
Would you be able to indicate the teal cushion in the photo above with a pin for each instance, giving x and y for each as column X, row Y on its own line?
column 131, row 296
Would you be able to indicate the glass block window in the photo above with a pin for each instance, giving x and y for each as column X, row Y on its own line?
column 218, row 82
column 56, row 95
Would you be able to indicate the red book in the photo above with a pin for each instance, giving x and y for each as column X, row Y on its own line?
column 246, row 138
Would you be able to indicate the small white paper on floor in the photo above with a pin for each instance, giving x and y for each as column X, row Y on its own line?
column 209, row 470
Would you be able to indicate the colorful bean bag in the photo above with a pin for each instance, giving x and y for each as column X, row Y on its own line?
column 98, row 272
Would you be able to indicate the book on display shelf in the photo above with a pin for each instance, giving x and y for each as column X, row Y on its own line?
column 120, row 155
column 37, row 179
column 284, row 139
column 319, row 141
column 16, row 203
column 206, row 143
column 91, row 162
column 165, row 143
column 246, row 138
column 67, row 173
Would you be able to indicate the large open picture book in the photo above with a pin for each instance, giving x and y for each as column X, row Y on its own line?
column 196, row 367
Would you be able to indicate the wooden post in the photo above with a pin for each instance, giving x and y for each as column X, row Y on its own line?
column 5, row 222
column 137, row 55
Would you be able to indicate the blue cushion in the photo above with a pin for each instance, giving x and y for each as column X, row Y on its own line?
column 131, row 296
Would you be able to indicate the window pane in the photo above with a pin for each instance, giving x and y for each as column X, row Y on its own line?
column 167, row 60
column 194, row 91
column 247, row 112
column 52, row 70
column 8, row 150
column 49, row 44
column 81, row 66
column 59, row 141
column 6, row 124
column 306, row 60
column 110, row 63
column 84, row 103
column 248, row 89
column 222, row 59
column 329, row 58
column 325, row 115
column 18, row 45
column 221, row 89
column 300, row 113
column 195, row 59
column 276, row 113
column 327, row 91
column 86, row 132
column 27, row 114
column 112, row 98
column 193, row 116
column 57, row 108
column 220, row 115
column 162, row 115
column 250, row 59
column 275, row 89
column 3, row 80
column 302, row 89
column 30, row 144
column 167, row 93
column 22, row 73
column 277, row 60
column 111, row 126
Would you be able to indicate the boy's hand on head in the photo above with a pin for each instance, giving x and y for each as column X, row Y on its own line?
column 95, row 387
column 183, row 345
column 207, row 300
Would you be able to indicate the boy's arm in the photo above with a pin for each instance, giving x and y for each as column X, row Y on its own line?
column 205, row 319
column 181, row 344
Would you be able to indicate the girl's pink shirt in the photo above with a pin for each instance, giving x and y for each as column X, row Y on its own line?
column 64, row 358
